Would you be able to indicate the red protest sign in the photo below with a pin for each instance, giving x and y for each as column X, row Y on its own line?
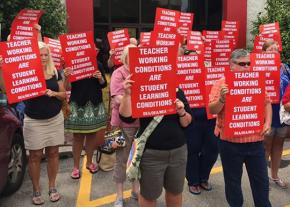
column 231, row 30
column 245, row 105
column 190, row 78
column 55, row 49
column 80, row 54
column 221, row 52
column 271, row 31
column 23, row 24
column 159, row 38
column 195, row 42
column 212, row 35
column 154, row 73
column 166, row 20
column 145, row 38
column 118, row 40
column 185, row 23
column 269, row 63
column 212, row 74
column 22, row 70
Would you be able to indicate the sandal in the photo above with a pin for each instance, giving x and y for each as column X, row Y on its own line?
column 53, row 195
column 206, row 186
column 93, row 168
column 279, row 182
column 75, row 174
column 194, row 189
column 37, row 199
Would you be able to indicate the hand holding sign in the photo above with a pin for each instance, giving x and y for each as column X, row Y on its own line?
column 180, row 107
column 224, row 91
column 127, row 84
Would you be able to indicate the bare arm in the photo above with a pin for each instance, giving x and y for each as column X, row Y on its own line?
column 67, row 72
column 268, row 118
column 287, row 106
column 61, row 95
column 184, row 117
column 125, row 108
column 216, row 106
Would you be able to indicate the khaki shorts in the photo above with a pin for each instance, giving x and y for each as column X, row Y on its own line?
column 162, row 168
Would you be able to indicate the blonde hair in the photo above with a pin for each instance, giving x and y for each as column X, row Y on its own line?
column 125, row 52
column 50, row 69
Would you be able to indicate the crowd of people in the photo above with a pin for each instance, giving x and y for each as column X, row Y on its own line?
column 181, row 145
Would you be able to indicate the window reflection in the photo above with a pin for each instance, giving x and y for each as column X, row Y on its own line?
column 101, row 10
column 125, row 11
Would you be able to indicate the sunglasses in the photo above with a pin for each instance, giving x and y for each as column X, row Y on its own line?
column 243, row 63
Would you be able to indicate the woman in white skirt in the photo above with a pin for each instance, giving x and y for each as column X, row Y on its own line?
column 44, row 128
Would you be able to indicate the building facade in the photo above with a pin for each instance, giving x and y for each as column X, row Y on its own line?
column 102, row 16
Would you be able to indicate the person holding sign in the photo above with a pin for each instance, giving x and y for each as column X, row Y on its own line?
column 128, row 129
column 163, row 162
column 275, row 139
column 248, row 149
column 44, row 128
column 87, row 118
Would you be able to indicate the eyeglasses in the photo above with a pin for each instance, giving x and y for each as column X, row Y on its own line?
column 243, row 63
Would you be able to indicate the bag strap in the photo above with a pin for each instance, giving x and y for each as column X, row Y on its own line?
column 150, row 128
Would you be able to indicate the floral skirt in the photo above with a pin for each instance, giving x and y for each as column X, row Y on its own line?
column 86, row 119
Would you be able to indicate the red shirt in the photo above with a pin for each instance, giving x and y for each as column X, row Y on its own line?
column 220, row 120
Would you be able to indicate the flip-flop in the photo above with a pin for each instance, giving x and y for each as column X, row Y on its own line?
column 37, row 198
column 54, row 196
column 196, row 190
column 93, row 168
column 206, row 186
column 75, row 174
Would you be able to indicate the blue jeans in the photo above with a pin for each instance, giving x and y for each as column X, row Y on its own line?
column 202, row 151
column 233, row 155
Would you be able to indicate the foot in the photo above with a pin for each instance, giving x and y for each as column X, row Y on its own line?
column 206, row 186
column 53, row 195
column 134, row 196
column 194, row 189
column 75, row 174
column 93, row 168
column 279, row 182
column 119, row 203
column 37, row 199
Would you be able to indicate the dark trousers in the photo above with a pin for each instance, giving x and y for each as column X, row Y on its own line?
column 233, row 155
column 202, row 151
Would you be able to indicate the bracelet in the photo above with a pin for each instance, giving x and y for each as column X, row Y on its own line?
column 221, row 101
column 183, row 115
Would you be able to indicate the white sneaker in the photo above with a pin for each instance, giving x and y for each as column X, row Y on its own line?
column 119, row 203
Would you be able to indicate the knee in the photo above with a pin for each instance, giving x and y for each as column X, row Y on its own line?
column 35, row 156
column 52, row 153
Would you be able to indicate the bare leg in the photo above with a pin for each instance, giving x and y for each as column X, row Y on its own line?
column 34, row 168
column 135, row 187
column 100, row 137
column 173, row 200
column 276, row 154
column 77, row 148
column 91, row 141
column 119, row 187
column 52, row 166
column 146, row 203
column 268, row 146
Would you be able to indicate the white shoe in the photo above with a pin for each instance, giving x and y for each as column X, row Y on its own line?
column 119, row 203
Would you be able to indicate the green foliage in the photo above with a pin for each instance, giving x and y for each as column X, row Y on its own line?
column 53, row 22
column 277, row 10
